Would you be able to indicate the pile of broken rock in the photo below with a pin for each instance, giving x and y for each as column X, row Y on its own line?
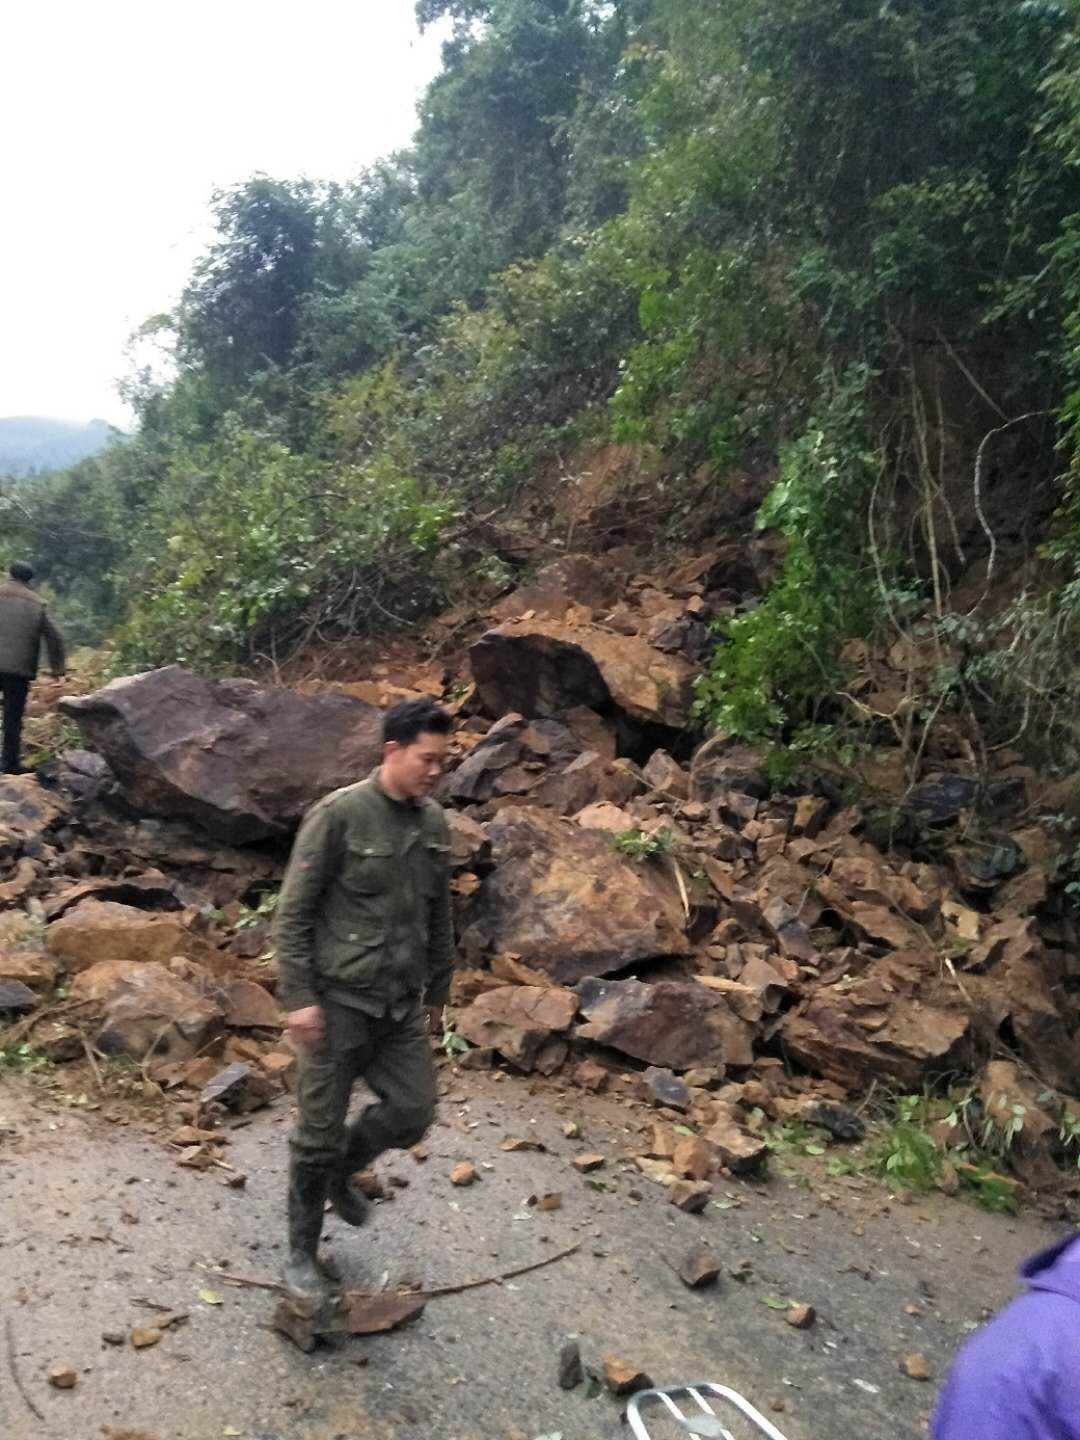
column 621, row 903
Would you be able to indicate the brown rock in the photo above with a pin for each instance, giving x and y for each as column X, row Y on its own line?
column 21, row 883
column 514, row 757
column 605, row 816
column 665, row 774
column 700, row 1267
column 463, row 1174
column 766, row 982
column 539, row 667
column 587, row 1163
column 671, row 1023
column 623, row 1378
column 1005, row 1093
column 28, row 812
column 150, row 891
column 101, row 980
column 564, row 903
column 28, row 967
column 58, row 1042
column 734, row 1146
column 899, row 1021
column 510, row 970
column 721, row 766
column 546, row 1203
column 572, row 580
column 280, row 1065
column 469, row 845
column 588, row 779
column 98, row 930
column 690, row 1195
column 810, row 815
column 153, row 1011
column 143, row 1336
column 800, row 1317
column 915, row 1367
column 591, row 1076
column 62, row 1377
column 591, row 730
column 693, row 1158
column 239, row 1088
column 250, row 1006
column 242, row 760
column 524, row 1023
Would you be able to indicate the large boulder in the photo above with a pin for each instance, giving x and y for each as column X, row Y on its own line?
column 524, row 1023
column 160, row 1010
column 899, row 1022
column 564, row 903
column 97, row 930
column 541, row 666
column 240, row 759
column 674, row 1023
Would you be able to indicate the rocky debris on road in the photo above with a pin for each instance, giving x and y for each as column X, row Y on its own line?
column 526, row 1024
column 623, row 1377
column 700, row 1267
column 571, row 1370
column 662, row 921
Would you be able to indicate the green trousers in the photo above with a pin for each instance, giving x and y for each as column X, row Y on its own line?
column 393, row 1057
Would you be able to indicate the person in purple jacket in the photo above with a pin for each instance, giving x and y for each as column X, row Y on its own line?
column 1018, row 1378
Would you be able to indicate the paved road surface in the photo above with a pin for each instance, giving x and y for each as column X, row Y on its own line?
column 95, row 1216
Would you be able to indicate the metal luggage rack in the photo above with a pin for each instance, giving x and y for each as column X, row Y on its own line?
column 695, row 1415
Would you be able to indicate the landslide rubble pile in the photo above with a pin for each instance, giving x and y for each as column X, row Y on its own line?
column 625, row 903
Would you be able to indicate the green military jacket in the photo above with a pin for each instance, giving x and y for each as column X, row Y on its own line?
column 24, row 624
column 364, row 911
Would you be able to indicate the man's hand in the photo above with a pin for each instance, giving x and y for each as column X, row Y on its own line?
column 433, row 1014
column 305, row 1028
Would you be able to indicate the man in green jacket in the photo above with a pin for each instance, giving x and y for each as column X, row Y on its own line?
column 24, row 624
column 365, row 953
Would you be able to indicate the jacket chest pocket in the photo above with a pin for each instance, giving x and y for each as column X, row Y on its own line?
column 436, row 860
column 369, row 869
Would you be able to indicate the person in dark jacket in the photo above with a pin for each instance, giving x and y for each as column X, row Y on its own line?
column 365, row 952
column 1018, row 1378
column 24, row 625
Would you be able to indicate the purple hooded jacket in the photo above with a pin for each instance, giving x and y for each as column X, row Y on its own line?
column 1019, row 1377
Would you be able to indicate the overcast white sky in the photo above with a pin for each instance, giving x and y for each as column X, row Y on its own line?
column 119, row 117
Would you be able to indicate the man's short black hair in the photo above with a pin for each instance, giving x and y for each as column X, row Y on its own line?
column 406, row 722
column 21, row 571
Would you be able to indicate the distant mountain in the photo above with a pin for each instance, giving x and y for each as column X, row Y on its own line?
column 30, row 442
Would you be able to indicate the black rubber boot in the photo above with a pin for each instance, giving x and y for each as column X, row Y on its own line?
column 307, row 1198
column 349, row 1203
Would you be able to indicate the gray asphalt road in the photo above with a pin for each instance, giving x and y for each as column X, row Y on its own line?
column 96, row 1217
